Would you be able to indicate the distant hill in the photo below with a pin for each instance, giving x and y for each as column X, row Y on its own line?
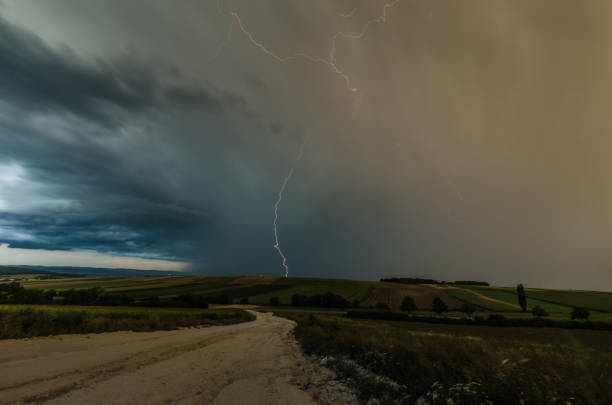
column 98, row 271
column 15, row 271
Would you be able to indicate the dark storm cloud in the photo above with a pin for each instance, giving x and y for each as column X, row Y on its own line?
column 105, row 204
column 475, row 148
column 156, row 232
column 36, row 77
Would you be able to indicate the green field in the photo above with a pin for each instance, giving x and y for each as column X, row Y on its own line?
column 466, row 295
column 398, row 362
column 509, row 296
column 349, row 289
column 19, row 321
column 284, row 288
column 259, row 291
column 598, row 301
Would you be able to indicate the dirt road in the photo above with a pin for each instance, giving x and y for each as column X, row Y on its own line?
column 248, row 363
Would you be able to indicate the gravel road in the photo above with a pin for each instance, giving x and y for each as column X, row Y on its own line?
column 249, row 363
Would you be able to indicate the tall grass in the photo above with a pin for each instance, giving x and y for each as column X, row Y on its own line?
column 401, row 362
column 20, row 321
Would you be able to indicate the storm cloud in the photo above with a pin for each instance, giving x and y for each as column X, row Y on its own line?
column 474, row 147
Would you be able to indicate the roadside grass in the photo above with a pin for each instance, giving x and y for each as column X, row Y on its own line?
column 556, row 316
column 24, row 321
column 399, row 362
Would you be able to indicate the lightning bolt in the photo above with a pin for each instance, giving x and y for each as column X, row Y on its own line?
column 349, row 14
column 330, row 62
column 277, row 204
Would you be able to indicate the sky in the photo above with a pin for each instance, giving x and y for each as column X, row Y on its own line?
column 441, row 139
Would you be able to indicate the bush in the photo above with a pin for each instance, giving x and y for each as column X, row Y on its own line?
column 539, row 311
column 492, row 320
column 274, row 301
column 438, row 306
column 382, row 306
column 580, row 313
column 408, row 304
column 191, row 300
column 468, row 308
column 31, row 322
column 299, row 300
column 327, row 300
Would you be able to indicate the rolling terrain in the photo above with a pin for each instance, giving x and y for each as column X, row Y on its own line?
column 259, row 290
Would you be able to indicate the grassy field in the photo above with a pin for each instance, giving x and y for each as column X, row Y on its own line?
column 508, row 295
column 480, row 300
column 398, row 362
column 259, row 290
column 20, row 321
column 349, row 289
column 598, row 301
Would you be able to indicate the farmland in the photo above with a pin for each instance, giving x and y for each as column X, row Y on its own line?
column 259, row 290
column 392, row 355
column 398, row 362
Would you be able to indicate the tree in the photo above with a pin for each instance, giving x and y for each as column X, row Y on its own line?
column 50, row 294
column 274, row 301
column 468, row 308
column 439, row 306
column 408, row 304
column 539, row 311
column 580, row 313
column 520, row 292
column 299, row 300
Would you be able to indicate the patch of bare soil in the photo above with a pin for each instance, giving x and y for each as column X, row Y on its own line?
column 250, row 363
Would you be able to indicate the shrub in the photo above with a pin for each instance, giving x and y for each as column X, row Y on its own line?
column 408, row 304
column 580, row 313
column 438, row 306
column 382, row 306
column 299, row 300
column 468, row 308
column 539, row 311
column 274, row 301
column 327, row 300
column 191, row 300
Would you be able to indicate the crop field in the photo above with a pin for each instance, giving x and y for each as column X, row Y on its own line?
column 397, row 362
column 392, row 294
column 259, row 290
column 598, row 301
column 349, row 289
column 508, row 295
column 18, row 321
column 480, row 300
